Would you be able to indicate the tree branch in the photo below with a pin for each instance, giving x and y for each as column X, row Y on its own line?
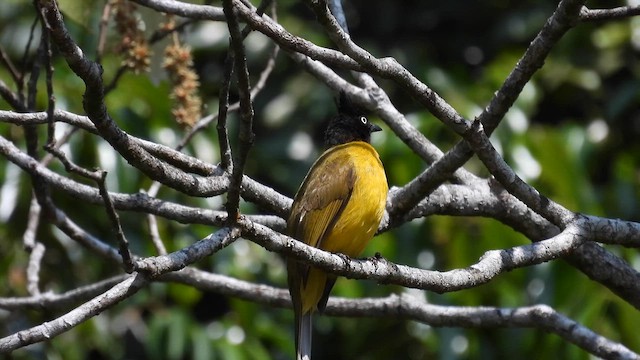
column 491, row 264
column 245, row 135
column 49, row 300
column 540, row 317
column 587, row 14
column 82, row 313
column 409, row 308
column 177, row 260
column 144, row 203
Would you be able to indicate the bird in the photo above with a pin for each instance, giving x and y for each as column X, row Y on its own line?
column 338, row 208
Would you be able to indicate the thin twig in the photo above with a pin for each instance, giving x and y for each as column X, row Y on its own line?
column 10, row 97
column 46, row 160
column 245, row 134
column 8, row 64
column 33, row 269
column 40, row 188
column 102, row 32
column 123, row 243
column 163, row 33
column 226, row 160
column 51, row 100
column 152, row 222
column 34, row 75
column 99, row 176
column 621, row 12
column 49, row 300
column 70, row 166
column 29, row 236
column 114, row 81
column 25, row 56
column 223, row 108
column 154, row 233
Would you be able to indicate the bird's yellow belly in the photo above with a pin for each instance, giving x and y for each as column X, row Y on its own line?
column 361, row 217
column 357, row 224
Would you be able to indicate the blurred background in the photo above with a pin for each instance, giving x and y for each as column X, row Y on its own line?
column 572, row 134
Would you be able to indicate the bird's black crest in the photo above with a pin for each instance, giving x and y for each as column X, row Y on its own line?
column 346, row 107
column 350, row 124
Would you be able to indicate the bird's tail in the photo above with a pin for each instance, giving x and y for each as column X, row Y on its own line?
column 303, row 336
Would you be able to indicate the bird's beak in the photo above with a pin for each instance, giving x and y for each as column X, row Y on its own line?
column 373, row 127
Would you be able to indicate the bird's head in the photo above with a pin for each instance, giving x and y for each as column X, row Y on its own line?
column 350, row 124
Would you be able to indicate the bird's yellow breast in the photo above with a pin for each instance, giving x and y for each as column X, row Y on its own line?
column 361, row 217
column 356, row 223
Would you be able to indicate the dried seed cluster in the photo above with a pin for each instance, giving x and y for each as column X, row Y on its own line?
column 179, row 65
column 133, row 45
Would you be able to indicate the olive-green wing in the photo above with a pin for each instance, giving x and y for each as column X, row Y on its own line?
column 321, row 199
column 317, row 206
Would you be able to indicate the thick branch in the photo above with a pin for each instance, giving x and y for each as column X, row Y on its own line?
column 177, row 260
column 253, row 190
column 540, row 317
column 479, row 140
column 406, row 307
column 82, row 313
column 490, row 264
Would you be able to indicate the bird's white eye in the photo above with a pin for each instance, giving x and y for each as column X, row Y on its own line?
column 363, row 120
